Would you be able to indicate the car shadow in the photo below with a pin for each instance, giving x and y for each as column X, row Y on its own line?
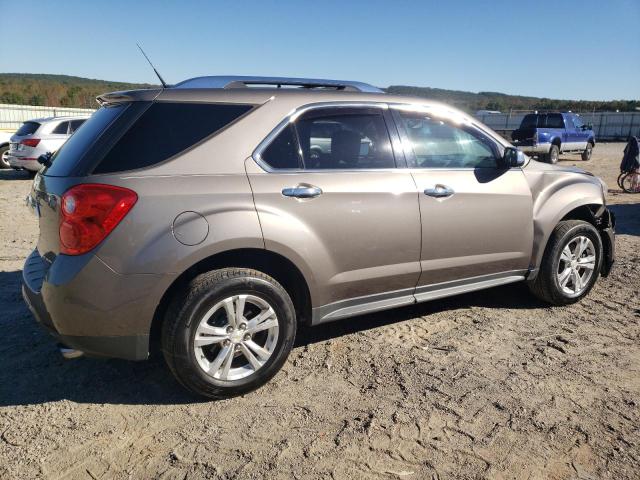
column 34, row 372
column 627, row 218
column 10, row 174
column 513, row 296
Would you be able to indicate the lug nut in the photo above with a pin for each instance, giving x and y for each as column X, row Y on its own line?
column 247, row 337
column 243, row 326
column 226, row 343
column 229, row 329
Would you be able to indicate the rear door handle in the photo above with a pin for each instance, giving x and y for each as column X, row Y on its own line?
column 439, row 191
column 302, row 191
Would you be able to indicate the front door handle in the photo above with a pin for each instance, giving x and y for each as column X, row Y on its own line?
column 302, row 191
column 439, row 191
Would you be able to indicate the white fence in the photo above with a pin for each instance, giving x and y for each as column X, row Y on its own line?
column 12, row 116
column 606, row 125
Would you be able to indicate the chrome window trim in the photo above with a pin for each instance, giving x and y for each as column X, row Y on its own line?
column 293, row 116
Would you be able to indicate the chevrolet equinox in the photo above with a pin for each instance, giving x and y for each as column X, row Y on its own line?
column 220, row 213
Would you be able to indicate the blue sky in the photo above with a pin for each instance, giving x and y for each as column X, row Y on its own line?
column 560, row 49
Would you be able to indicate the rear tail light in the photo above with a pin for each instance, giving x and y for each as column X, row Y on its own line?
column 89, row 212
column 30, row 142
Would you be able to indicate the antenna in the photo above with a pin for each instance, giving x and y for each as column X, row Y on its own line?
column 164, row 84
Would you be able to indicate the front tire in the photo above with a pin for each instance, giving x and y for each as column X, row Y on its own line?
column 229, row 333
column 4, row 159
column 586, row 154
column 571, row 263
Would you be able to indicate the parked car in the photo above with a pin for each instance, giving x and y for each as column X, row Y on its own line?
column 547, row 135
column 4, row 149
column 198, row 215
column 39, row 136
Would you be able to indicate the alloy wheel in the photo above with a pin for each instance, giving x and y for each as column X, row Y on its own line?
column 576, row 266
column 236, row 337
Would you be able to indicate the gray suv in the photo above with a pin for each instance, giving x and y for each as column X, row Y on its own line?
column 219, row 214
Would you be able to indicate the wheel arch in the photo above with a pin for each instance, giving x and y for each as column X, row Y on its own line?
column 590, row 212
column 283, row 270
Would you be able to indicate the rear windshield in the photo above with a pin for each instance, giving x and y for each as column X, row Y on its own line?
column 166, row 129
column 28, row 128
column 66, row 159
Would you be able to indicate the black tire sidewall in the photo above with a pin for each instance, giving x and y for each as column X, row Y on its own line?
column 551, row 156
column 586, row 155
column 581, row 229
column 189, row 371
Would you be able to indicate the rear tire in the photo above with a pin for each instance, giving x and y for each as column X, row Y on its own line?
column 216, row 352
column 586, row 154
column 568, row 273
column 553, row 155
column 4, row 160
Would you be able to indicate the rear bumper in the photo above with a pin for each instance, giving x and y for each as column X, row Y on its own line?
column 87, row 306
column 28, row 163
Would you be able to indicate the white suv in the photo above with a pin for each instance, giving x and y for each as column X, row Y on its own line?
column 39, row 136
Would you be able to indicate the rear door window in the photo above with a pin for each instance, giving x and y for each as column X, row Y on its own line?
column 555, row 120
column 353, row 138
column 74, row 125
column 166, row 129
column 61, row 129
column 27, row 128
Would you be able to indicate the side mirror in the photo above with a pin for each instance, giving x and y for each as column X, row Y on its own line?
column 513, row 158
column 45, row 159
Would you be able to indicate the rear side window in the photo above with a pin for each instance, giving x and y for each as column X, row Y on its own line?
column 28, row 128
column 61, row 128
column 166, row 129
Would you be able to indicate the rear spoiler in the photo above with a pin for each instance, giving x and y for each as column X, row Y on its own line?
column 128, row 96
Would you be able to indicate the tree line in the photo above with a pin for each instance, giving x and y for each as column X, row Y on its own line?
column 68, row 91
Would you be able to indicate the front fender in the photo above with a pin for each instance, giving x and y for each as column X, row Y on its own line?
column 555, row 195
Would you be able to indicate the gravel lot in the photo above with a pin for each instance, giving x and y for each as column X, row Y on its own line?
column 486, row 385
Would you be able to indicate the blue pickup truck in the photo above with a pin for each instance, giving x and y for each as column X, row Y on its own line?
column 547, row 135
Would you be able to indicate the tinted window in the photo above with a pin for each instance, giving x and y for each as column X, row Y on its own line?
column 283, row 151
column 166, row 129
column 437, row 144
column 529, row 121
column 357, row 139
column 61, row 128
column 65, row 160
column 74, row 125
column 28, row 128
column 554, row 120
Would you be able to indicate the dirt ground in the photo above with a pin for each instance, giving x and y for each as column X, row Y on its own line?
column 486, row 385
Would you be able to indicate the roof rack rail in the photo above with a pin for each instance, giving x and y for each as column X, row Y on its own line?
column 246, row 81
